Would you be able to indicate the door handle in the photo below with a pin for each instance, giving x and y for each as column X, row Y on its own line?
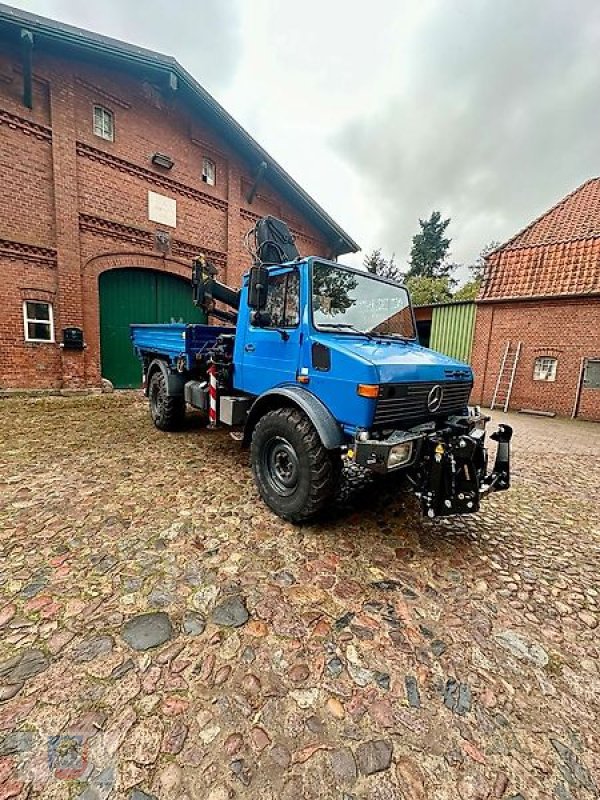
column 249, row 348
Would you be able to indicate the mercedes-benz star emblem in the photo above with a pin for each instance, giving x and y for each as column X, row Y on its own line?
column 434, row 398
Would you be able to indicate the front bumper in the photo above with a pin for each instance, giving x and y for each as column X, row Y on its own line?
column 446, row 464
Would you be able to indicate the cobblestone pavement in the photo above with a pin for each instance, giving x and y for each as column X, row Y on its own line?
column 370, row 657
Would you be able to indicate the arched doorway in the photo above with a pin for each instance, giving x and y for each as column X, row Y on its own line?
column 137, row 295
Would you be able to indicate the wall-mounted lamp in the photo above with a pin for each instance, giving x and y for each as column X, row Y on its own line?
column 161, row 160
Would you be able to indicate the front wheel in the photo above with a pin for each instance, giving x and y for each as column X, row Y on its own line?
column 167, row 412
column 295, row 474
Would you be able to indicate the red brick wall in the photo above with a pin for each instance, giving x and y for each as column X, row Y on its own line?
column 566, row 329
column 73, row 204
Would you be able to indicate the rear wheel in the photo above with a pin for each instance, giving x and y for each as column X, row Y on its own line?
column 167, row 412
column 295, row 474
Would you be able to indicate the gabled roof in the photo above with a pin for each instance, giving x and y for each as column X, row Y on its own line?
column 576, row 216
column 71, row 39
column 557, row 255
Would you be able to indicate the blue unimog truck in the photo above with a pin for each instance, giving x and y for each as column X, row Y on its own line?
column 316, row 363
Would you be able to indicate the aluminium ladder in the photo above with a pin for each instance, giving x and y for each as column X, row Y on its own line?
column 506, row 375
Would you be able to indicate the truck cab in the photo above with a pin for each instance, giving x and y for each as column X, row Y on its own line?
column 319, row 365
column 349, row 338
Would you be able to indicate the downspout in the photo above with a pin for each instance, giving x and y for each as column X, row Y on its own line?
column 27, row 53
column 579, row 387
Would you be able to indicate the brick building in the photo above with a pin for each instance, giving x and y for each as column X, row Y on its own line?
column 117, row 168
column 542, row 289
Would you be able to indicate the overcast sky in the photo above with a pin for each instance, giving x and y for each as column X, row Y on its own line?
column 488, row 110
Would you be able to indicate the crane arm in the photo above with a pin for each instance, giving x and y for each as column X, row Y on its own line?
column 207, row 291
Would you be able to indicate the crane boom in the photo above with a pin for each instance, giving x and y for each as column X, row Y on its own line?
column 207, row 291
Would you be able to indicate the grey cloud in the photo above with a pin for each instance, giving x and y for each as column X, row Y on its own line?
column 203, row 36
column 498, row 118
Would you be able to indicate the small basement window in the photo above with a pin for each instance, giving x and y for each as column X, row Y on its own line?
column 209, row 171
column 591, row 378
column 544, row 369
column 104, row 123
column 39, row 321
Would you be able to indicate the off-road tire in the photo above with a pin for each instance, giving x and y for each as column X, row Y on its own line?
column 167, row 412
column 314, row 475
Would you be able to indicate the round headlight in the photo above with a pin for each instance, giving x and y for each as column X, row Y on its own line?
column 400, row 454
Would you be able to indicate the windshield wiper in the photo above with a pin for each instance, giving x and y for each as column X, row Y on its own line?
column 343, row 325
column 397, row 337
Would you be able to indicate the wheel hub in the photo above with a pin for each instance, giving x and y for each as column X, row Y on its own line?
column 281, row 466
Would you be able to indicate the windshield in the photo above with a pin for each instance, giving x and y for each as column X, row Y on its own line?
column 351, row 301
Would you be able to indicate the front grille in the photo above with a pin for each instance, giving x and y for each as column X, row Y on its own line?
column 406, row 403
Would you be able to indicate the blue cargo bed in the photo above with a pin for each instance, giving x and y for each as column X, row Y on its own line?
column 175, row 340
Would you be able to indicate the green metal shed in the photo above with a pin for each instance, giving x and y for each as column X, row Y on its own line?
column 452, row 326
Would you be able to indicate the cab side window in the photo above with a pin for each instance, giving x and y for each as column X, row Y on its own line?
column 283, row 300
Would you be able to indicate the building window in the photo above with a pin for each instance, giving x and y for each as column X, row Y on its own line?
column 104, row 123
column 39, row 321
column 209, row 171
column 591, row 378
column 544, row 369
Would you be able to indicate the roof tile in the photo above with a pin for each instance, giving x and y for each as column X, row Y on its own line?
column 557, row 254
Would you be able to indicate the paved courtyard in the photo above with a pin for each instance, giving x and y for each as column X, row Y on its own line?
column 373, row 656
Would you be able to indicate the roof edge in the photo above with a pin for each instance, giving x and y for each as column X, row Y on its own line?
column 446, row 303
column 521, row 298
column 562, row 201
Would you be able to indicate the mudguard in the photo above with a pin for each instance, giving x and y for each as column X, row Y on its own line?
column 325, row 424
column 173, row 380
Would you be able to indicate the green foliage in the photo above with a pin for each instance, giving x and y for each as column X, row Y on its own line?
column 377, row 264
column 429, row 279
column 471, row 289
column 468, row 292
column 425, row 291
column 430, row 249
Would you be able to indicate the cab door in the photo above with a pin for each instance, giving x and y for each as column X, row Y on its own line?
column 271, row 354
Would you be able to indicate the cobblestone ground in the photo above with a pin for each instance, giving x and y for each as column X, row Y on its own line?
column 373, row 656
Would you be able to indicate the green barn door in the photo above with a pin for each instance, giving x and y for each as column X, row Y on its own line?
column 137, row 295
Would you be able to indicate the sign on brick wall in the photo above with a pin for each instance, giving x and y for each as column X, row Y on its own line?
column 162, row 209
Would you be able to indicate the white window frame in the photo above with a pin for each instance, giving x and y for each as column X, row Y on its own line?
column 547, row 373
column 208, row 163
column 27, row 319
column 100, row 130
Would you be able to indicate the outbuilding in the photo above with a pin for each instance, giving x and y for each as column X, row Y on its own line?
column 117, row 169
column 537, row 330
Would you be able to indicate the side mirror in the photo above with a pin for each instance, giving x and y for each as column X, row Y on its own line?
column 257, row 287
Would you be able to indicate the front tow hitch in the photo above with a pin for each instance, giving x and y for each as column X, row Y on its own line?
column 499, row 478
column 454, row 474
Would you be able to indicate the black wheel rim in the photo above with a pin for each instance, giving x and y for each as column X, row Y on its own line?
column 156, row 401
column 280, row 466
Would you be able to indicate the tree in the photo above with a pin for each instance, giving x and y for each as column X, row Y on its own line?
column 470, row 290
column 377, row 264
column 331, row 290
column 425, row 291
column 478, row 268
column 430, row 249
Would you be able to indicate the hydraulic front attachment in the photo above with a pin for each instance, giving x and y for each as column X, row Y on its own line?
column 455, row 476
